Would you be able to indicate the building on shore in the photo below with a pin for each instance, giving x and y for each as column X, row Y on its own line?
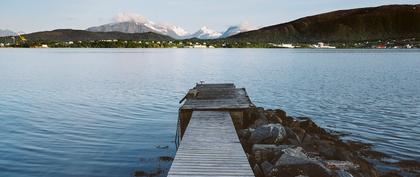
column 1, row 45
column 199, row 46
column 322, row 45
column 289, row 46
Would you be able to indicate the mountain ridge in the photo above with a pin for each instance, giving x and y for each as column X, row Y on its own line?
column 176, row 32
column 371, row 23
column 362, row 24
column 63, row 35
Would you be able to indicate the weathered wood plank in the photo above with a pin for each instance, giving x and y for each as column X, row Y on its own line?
column 210, row 147
column 211, row 86
column 217, row 96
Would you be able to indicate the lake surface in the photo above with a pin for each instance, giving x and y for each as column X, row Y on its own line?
column 111, row 112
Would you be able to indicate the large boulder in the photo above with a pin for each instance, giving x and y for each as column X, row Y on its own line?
column 295, row 162
column 294, row 156
column 268, row 134
column 244, row 134
column 271, row 147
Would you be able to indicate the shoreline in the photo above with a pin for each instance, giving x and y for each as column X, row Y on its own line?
column 280, row 145
column 325, row 49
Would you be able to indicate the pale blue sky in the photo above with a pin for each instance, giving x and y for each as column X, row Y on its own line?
column 37, row 15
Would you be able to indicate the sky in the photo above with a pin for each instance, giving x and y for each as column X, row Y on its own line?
column 41, row 15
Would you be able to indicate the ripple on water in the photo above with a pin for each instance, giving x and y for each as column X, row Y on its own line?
column 104, row 112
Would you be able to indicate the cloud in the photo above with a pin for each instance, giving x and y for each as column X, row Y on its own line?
column 246, row 26
column 130, row 17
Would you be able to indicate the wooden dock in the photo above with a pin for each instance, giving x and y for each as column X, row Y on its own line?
column 210, row 145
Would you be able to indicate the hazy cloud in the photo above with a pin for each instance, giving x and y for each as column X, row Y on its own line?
column 130, row 17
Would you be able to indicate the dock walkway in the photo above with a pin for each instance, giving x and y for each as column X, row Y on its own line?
column 210, row 145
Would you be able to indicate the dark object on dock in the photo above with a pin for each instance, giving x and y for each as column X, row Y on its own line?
column 210, row 145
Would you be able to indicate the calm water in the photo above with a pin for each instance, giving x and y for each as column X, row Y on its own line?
column 110, row 112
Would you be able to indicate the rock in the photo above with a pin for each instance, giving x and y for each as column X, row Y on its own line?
column 294, row 156
column 140, row 173
column 341, row 165
column 271, row 147
column 245, row 133
column 311, row 170
column 310, row 144
column 277, row 119
column 310, row 126
column 268, row 134
column 295, row 162
column 280, row 114
column 327, row 149
column 342, row 173
column 266, row 168
column 293, row 141
column 251, row 158
column 261, row 156
column 300, row 133
column 291, row 134
column 288, row 120
column 307, row 140
column 260, row 122
column 166, row 158
column 257, row 170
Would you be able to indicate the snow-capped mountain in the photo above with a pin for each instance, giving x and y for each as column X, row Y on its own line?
column 137, row 27
column 233, row 30
column 173, row 31
column 205, row 33
column 6, row 32
column 134, row 23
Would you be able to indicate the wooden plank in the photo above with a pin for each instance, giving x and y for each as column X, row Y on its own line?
column 210, row 147
column 212, row 86
column 218, row 98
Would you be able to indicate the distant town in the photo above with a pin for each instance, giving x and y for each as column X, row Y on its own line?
column 115, row 43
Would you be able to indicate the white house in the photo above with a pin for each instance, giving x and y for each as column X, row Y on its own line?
column 321, row 45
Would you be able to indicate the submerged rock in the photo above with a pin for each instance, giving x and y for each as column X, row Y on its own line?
column 166, row 158
column 268, row 134
column 140, row 173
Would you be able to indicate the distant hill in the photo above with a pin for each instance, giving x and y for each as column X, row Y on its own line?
column 81, row 35
column 384, row 22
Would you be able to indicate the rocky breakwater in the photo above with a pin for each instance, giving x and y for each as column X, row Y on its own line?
column 280, row 145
